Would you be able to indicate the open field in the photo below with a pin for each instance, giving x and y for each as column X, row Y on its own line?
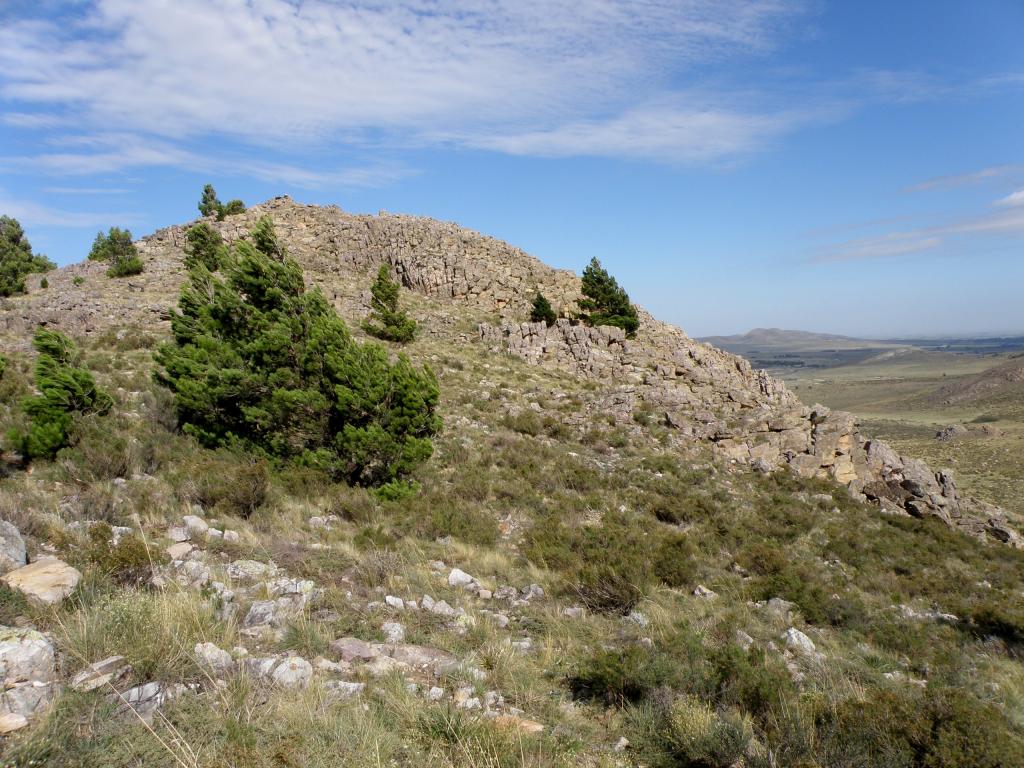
column 898, row 398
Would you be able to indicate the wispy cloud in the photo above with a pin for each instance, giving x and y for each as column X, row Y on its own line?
column 76, row 191
column 966, row 179
column 926, row 238
column 1013, row 199
column 539, row 75
column 35, row 214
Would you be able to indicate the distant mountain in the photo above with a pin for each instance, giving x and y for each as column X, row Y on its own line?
column 778, row 337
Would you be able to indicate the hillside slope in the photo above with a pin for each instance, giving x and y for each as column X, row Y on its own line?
column 605, row 563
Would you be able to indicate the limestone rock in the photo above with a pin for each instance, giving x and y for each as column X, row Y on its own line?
column 214, row 659
column 798, row 641
column 12, row 548
column 101, row 673
column 293, row 672
column 47, row 581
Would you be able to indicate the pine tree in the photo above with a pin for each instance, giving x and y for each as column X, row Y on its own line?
column 542, row 311
column 65, row 392
column 16, row 258
column 209, row 205
column 387, row 320
column 117, row 249
column 606, row 303
column 204, row 246
column 260, row 363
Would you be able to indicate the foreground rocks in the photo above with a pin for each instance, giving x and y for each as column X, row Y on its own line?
column 29, row 672
column 45, row 582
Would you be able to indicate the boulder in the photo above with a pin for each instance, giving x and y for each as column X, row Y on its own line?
column 213, row 658
column 12, row 548
column 796, row 640
column 29, row 674
column 293, row 672
column 45, row 582
column 459, row 578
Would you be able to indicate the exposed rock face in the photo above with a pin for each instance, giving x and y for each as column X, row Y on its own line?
column 707, row 395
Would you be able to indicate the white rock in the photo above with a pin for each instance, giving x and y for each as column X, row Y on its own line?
column 196, row 525
column 293, row 672
column 343, row 689
column 231, row 537
column 459, row 578
column 12, row 548
column 100, row 673
column 702, row 591
column 798, row 641
column 178, row 533
column 317, row 522
column 637, row 618
column 213, row 658
column 214, row 533
column 249, row 570
column 435, row 693
column 179, row 551
column 395, row 602
column 10, row 722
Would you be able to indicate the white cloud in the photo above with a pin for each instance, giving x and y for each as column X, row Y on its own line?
column 539, row 75
column 966, row 179
column 1016, row 198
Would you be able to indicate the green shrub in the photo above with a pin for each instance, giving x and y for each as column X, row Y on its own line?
column 205, row 246
column 674, row 560
column 16, row 258
column 260, row 362
column 232, row 484
column 605, row 302
column 387, row 320
column 118, row 251
column 77, row 280
column 618, row 677
column 541, row 311
column 700, row 737
column 44, row 284
column 65, row 392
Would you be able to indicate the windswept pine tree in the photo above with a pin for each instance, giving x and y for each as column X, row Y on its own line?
column 210, row 204
column 387, row 319
column 16, row 258
column 205, row 246
column 606, row 302
column 64, row 392
column 258, row 362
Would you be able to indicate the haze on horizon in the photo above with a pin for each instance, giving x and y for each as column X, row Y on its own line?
column 851, row 168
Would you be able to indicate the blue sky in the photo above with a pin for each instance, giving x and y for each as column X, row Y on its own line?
column 847, row 167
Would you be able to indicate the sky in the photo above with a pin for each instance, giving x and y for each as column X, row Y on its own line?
column 834, row 166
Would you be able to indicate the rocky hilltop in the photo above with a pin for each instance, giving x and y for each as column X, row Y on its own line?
column 706, row 395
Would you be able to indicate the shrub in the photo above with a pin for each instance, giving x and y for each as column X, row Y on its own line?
column 205, row 246
column 702, row 738
column 674, row 562
column 261, row 363
column 77, row 280
column 127, row 563
column 229, row 484
column 117, row 249
column 619, row 677
column 387, row 320
column 605, row 302
column 16, row 258
column 44, row 284
column 64, row 393
column 541, row 312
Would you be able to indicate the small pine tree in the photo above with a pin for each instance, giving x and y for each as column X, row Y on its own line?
column 44, row 284
column 259, row 362
column 204, row 246
column 606, row 303
column 65, row 391
column 387, row 320
column 542, row 311
column 209, row 205
column 16, row 258
column 117, row 249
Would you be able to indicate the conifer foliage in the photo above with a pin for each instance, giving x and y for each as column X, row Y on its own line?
column 210, row 204
column 65, row 392
column 260, row 363
column 605, row 302
column 541, row 312
column 205, row 246
column 117, row 249
column 16, row 258
column 387, row 320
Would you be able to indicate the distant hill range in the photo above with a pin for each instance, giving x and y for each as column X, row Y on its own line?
column 779, row 350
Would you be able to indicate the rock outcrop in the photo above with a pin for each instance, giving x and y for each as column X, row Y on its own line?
column 705, row 394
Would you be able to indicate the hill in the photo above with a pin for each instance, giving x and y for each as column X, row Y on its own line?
column 782, row 352
column 1000, row 383
column 623, row 551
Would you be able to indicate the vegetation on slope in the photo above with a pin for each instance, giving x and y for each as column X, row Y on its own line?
column 16, row 258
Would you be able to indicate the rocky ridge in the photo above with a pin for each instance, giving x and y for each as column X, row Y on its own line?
column 706, row 395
